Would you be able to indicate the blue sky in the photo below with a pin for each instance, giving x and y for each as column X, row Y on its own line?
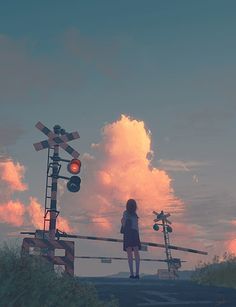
column 169, row 63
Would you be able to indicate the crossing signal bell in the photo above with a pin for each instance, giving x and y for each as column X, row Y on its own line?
column 74, row 166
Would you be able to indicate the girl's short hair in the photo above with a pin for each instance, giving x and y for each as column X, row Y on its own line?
column 131, row 206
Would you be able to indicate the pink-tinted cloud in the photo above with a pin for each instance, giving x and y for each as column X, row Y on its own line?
column 119, row 168
column 231, row 246
column 15, row 212
column 13, row 173
column 36, row 213
column 231, row 242
column 126, row 172
column 12, row 213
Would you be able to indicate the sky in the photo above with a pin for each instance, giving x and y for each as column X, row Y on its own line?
column 150, row 87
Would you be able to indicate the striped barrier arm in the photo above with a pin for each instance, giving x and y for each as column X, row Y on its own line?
column 183, row 249
column 65, row 235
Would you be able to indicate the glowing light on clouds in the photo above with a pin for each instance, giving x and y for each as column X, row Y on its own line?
column 121, row 168
column 16, row 213
column 36, row 214
column 231, row 246
column 12, row 213
column 128, row 172
column 13, row 173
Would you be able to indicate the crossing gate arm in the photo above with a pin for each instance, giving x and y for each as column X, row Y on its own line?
column 183, row 249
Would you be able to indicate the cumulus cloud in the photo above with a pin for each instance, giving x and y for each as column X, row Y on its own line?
column 119, row 168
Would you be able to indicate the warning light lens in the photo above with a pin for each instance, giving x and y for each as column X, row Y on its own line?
column 155, row 227
column 73, row 185
column 74, row 166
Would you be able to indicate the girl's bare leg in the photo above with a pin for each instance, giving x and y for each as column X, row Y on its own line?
column 130, row 259
column 137, row 259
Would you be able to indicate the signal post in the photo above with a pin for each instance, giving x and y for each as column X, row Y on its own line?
column 173, row 264
column 44, row 243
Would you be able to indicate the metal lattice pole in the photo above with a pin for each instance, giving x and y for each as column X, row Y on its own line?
column 167, row 243
column 53, row 204
column 46, row 195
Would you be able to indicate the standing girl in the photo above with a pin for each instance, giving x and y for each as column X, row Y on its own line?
column 131, row 239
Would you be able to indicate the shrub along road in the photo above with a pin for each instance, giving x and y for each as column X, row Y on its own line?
column 154, row 292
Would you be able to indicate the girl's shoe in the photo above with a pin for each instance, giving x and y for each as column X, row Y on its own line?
column 132, row 276
column 136, row 276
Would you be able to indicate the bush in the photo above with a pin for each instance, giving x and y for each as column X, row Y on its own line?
column 29, row 281
column 218, row 272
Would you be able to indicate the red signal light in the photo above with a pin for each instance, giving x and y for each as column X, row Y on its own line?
column 74, row 166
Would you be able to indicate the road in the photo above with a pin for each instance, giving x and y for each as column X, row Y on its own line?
column 154, row 292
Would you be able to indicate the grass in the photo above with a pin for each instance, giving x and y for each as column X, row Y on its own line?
column 29, row 281
column 218, row 272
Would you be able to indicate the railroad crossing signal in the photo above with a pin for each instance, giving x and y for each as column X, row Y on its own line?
column 58, row 138
column 44, row 242
column 162, row 218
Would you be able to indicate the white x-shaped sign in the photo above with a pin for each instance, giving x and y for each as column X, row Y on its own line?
column 54, row 139
column 161, row 216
